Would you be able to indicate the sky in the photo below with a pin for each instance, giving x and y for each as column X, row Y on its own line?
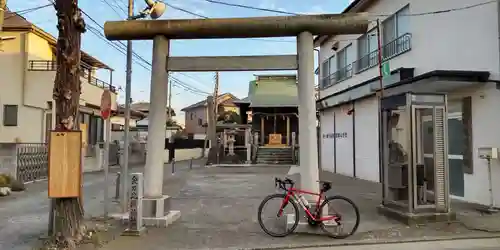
column 230, row 82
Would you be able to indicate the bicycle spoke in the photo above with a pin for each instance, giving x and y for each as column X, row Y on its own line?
column 344, row 217
column 275, row 222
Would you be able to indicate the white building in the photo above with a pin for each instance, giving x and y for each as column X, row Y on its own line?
column 456, row 52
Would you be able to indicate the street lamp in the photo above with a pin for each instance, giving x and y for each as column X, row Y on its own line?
column 154, row 9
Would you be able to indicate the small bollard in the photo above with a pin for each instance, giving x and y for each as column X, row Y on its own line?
column 117, row 188
column 173, row 166
column 191, row 163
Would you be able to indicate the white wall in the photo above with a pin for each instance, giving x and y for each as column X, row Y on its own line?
column 343, row 140
column 366, row 139
column 459, row 40
column 485, row 133
column 327, row 130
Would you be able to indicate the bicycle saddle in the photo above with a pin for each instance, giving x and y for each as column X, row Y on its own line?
column 325, row 185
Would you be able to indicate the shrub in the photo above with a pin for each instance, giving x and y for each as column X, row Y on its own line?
column 5, row 180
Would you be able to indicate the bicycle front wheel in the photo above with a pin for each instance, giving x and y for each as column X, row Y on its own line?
column 344, row 214
column 276, row 217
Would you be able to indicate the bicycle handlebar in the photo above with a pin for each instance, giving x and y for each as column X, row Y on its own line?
column 282, row 183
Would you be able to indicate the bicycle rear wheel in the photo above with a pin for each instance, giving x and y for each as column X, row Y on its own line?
column 281, row 225
column 346, row 214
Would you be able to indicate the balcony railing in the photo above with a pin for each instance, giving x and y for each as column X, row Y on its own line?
column 329, row 81
column 390, row 50
column 367, row 61
column 45, row 65
column 344, row 73
column 97, row 82
column 340, row 75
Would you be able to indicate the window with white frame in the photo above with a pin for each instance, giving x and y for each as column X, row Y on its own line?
column 394, row 30
column 332, row 68
column 324, row 73
column 345, row 57
column 328, row 68
column 367, row 47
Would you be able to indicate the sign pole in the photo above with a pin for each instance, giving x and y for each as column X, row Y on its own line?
column 106, row 166
column 105, row 114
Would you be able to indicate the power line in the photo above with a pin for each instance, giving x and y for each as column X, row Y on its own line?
column 369, row 14
column 137, row 56
column 26, row 11
column 113, row 8
column 252, row 7
column 206, row 17
column 123, row 7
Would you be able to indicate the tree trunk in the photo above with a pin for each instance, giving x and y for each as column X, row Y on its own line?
column 68, row 211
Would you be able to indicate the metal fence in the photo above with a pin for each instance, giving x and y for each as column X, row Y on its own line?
column 32, row 161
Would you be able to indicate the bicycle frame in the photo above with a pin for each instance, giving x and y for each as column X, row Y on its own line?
column 293, row 193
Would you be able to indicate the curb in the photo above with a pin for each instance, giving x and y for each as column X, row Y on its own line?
column 376, row 242
column 250, row 165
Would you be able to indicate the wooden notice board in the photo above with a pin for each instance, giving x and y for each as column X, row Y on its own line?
column 65, row 164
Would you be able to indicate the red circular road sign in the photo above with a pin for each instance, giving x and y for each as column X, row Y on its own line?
column 105, row 104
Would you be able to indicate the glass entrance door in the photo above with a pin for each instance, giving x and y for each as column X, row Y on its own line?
column 455, row 151
column 423, row 144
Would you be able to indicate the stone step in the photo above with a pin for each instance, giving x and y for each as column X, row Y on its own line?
column 276, row 162
column 266, row 154
column 274, row 157
column 275, row 149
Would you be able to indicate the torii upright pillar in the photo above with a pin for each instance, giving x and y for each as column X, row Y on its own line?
column 156, row 205
column 308, row 160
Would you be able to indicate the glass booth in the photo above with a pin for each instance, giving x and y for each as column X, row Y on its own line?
column 413, row 126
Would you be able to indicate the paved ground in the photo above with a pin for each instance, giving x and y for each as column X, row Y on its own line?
column 482, row 244
column 219, row 210
column 24, row 216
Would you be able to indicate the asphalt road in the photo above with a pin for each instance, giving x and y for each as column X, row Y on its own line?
column 24, row 216
column 480, row 244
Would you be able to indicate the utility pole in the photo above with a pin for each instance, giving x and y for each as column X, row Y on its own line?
column 66, row 93
column 211, row 129
column 126, row 134
column 216, row 95
column 169, row 111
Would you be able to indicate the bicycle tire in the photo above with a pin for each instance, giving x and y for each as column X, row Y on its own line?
column 259, row 215
column 356, row 210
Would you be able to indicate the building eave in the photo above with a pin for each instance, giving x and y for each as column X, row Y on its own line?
column 448, row 75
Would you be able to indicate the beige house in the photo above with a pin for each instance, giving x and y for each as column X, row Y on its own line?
column 27, row 70
column 196, row 114
column 118, row 118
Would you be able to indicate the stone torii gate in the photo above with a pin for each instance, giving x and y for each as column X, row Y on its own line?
column 304, row 27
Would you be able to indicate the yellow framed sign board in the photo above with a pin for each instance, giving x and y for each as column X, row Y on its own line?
column 65, row 164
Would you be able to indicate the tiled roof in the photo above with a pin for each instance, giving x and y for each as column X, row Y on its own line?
column 204, row 102
column 144, row 107
column 15, row 22
column 274, row 91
